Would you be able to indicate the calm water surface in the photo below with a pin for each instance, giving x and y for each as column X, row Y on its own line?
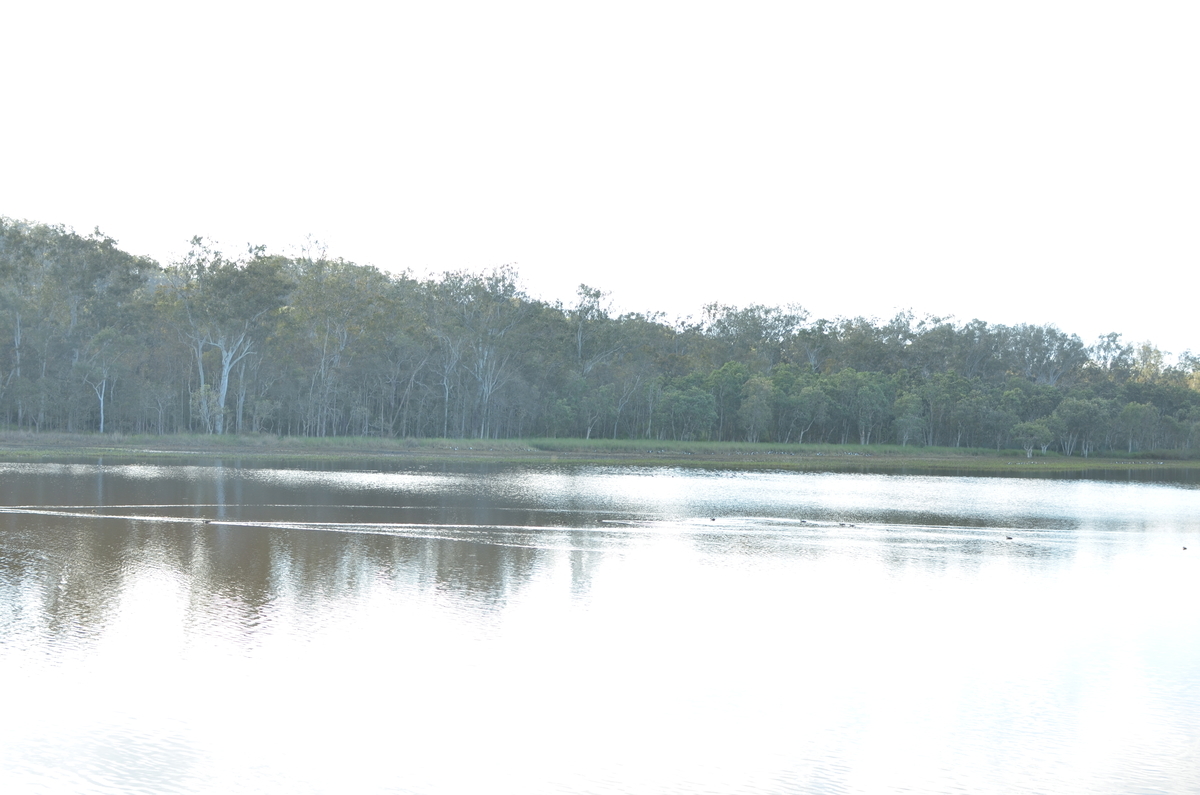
column 217, row 629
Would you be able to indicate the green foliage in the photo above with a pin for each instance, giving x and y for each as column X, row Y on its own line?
column 1033, row 434
column 309, row 347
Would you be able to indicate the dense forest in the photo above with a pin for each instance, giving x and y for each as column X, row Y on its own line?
column 96, row 339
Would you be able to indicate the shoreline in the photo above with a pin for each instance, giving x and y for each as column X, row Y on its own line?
column 601, row 452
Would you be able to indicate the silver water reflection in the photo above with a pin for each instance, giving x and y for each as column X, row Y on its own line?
column 218, row 629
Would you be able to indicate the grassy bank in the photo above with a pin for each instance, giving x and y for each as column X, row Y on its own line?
column 630, row 452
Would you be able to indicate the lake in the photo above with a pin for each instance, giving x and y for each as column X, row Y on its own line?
column 209, row 628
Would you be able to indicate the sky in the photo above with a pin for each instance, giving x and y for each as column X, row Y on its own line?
column 1017, row 162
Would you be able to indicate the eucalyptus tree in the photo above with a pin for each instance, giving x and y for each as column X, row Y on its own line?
column 98, row 362
column 18, row 274
column 980, row 351
column 1033, row 434
column 156, row 370
column 1078, row 422
column 909, row 423
column 871, row 397
column 323, row 346
column 689, row 412
column 338, row 312
column 727, row 384
column 812, row 344
column 864, row 346
column 1044, row 354
column 1189, row 365
column 1191, row 427
column 861, row 346
column 594, row 339
column 755, row 336
column 451, row 342
column 967, row 415
column 756, row 409
column 811, row 408
column 106, row 289
column 497, row 308
column 1137, row 423
column 638, row 370
column 403, row 356
column 224, row 304
column 933, row 347
column 60, row 293
column 1112, row 357
column 1149, row 363
column 939, row 394
column 588, row 379
column 786, row 379
column 473, row 321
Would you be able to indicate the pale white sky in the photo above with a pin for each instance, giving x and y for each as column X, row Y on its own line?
column 1016, row 161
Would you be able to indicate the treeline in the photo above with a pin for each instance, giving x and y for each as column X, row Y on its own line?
column 96, row 339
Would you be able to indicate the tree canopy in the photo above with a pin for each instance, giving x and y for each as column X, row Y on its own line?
column 96, row 339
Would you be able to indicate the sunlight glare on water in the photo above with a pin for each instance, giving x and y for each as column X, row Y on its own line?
column 593, row 630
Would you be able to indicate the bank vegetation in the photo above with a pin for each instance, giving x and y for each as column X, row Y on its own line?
column 257, row 345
